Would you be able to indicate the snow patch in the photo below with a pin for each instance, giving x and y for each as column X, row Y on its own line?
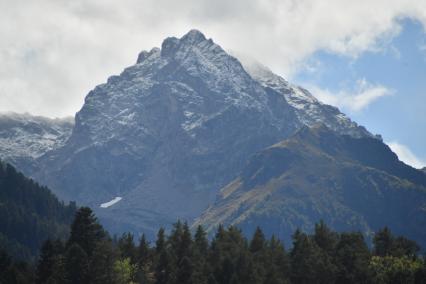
column 110, row 203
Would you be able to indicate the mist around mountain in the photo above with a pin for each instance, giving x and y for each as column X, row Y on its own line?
column 191, row 132
column 25, row 137
column 168, row 132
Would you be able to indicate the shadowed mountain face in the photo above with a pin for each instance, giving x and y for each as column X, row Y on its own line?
column 171, row 130
column 350, row 183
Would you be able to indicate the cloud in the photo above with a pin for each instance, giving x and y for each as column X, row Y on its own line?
column 355, row 100
column 53, row 52
column 404, row 154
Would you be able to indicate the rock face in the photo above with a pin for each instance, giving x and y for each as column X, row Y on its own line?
column 350, row 183
column 24, row 137
column 171, row 130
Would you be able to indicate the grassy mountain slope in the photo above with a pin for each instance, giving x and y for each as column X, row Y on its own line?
column 350, row 183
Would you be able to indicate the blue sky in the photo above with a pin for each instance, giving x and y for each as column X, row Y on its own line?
column 398, row 67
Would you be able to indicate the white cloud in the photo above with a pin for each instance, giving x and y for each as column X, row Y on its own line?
column 53, row 52
column 355, row 100
column 404, row 154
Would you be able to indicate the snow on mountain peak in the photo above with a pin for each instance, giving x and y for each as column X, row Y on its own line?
column 194, row 36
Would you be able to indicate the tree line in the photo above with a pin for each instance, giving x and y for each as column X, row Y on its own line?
column 89, row 255
column 29, row 214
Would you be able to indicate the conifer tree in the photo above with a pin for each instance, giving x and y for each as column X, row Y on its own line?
column 184, row 271
column 102, row 263
column 59, row 273
column 160, row 243
column 277, row 264
column 77, row 265
column 183, row 256
column 85, row 230
column 144, row 253
column 325, row 238
column 304, row 256
column 127, row 247
column 201, row 244
column 164, row 271
column 46, row 262
column 257, row 243
column 201, row 269
column 144, row 263
column 352, row 258
column 383, row 242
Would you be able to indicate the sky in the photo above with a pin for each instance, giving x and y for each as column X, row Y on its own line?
column 366, row 57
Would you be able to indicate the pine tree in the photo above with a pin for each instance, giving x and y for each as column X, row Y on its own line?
column 258, row 242
column 325, row 238
column 199, row 255
column 145, row 259
column 144, row 253
column 304, row 256
column 184, row 255
column 46, row 262
column 102, row 263
column 59, row 273
column 184, row 271
column 383, row 242
column 277, row 264
column 352, row 258
column 127, row 247
column 257, row 248
column 160, row 244
column 164, row 271
column 77, row 265
column 309, row 264
column 86, row 231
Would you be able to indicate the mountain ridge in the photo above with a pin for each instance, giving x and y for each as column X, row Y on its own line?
column 170, row 131
column 300, row 180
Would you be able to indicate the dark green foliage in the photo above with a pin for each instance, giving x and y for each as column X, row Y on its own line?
column 383, row 241
column 325, row 256
column 164, row 270
column 144, row 261
column 306, row 266
column 127, row 247
column 385, row 244
column 14, row 272
column 77, row 265
column 48, row 261
column 102, row 263
column 325, row 238
column 352, row 258
column 29, row 214
column 85, row 230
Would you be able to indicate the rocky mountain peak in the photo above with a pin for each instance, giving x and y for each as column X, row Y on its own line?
column 192, row 39
column 168, row 132
column 145, row 54
column 193, row 36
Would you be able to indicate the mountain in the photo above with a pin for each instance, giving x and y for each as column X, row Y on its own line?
column 158, row 141
column 24, row 137
column 309, row 110
column 29, row 214
column 350, row 183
